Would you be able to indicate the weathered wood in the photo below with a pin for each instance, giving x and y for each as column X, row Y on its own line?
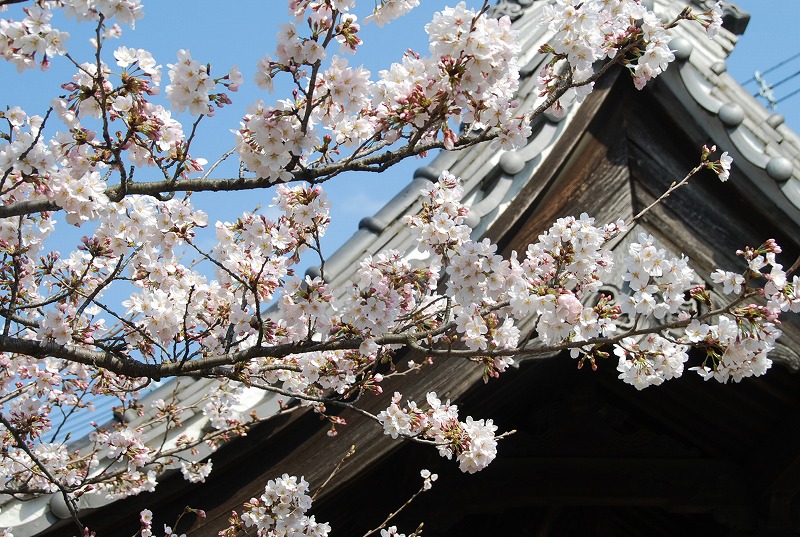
column 542, row 181
column 585, row 439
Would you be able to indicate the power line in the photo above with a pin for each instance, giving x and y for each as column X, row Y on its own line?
column 792, row 94
column 777, row 65
column 776, row 84
column 765, row 90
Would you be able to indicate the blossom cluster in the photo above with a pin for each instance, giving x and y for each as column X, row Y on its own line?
column 586, row 32
column 649, row 361
column 735, row 343
column 192, row 86
column 125, row 11
column 566, row 263
column 566, row 266
column 472, row 441
column 72, row 169
column 31, row 40
column 711, row 19
column 196, row 472
column 657, row 283
column 19, row 472
column 388, row 10
column 387, row 289
column 470, row 76
column 440, row 224
column 721, row 167
column 34, row 391
column 124, row 444
column 280, row 511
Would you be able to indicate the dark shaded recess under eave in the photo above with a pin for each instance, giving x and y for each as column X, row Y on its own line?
column 594, row 457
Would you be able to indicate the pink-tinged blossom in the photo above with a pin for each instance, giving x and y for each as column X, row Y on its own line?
column 281, row 510
column 388, row 10
column 235, row 79
column 125, row 11
column 195, row 472
column 146, row 519
column 473, row 442
column 190, row 85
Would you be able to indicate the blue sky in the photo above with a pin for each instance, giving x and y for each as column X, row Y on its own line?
column 771, row 37
column 241, row 35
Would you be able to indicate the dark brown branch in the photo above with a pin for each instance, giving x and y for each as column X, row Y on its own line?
column 129, row 367
column 373, row 163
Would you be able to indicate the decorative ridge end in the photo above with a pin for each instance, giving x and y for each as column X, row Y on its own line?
column 513, row 8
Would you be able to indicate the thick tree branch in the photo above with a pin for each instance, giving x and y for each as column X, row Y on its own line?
column 372, row 163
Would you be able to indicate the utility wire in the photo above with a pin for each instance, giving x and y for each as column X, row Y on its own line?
column 765, row 89
column 776, row 84
column 792, row 94
column 777, row 65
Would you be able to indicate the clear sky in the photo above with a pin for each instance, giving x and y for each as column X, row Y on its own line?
column 240, row 35
column 771, row 38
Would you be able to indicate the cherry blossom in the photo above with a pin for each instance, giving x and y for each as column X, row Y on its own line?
column 154, row 289
column 712, row 20
column 280, row 511
column 388, row 10
column 472, row 441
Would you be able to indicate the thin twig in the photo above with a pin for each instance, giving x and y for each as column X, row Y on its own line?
column 350, row 453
